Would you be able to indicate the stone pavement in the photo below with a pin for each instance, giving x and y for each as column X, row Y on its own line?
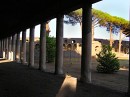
column 17, row 80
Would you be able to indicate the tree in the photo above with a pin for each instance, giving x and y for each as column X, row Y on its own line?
column 120, row 25
column 123, row 24
column 108, row 62
column 113, row 24
column 76, row 17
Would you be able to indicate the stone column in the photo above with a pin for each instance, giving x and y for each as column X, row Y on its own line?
column 13, row 47
column 1, row 48
column 86, row 43
column 42, row 56
column 17, row 56
column 0, row 44
column 23, row 52
column 4, row 43
column 59, row 45
column 9, row 48
column 31, row 47
column 6, row 49
column 129, row 71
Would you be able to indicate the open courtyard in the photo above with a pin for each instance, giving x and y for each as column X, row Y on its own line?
column 116, row 81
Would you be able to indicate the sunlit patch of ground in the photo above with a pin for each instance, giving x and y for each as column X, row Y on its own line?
column 3, row 60
column 124, row 69
column 68, row 87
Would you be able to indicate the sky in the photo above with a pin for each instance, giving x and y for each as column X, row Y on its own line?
column 118, row 8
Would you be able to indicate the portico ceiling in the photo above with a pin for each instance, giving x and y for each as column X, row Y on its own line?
column 17, row 15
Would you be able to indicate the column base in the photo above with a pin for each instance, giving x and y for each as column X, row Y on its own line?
column 42, row 69
column 24, row 63
column 30, row 65
column 85, row 80
column 17, row 61
column 60, row 72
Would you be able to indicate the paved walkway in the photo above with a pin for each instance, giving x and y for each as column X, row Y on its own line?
column 17, row 80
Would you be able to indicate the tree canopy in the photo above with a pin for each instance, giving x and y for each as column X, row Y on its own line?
column 113, row 24
column 102, row 18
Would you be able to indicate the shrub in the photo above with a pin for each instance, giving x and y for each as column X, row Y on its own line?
column 108, row 62
column 50, row 48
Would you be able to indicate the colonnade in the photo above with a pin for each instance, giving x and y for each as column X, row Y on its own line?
column 13, row 50
column 20, row 56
